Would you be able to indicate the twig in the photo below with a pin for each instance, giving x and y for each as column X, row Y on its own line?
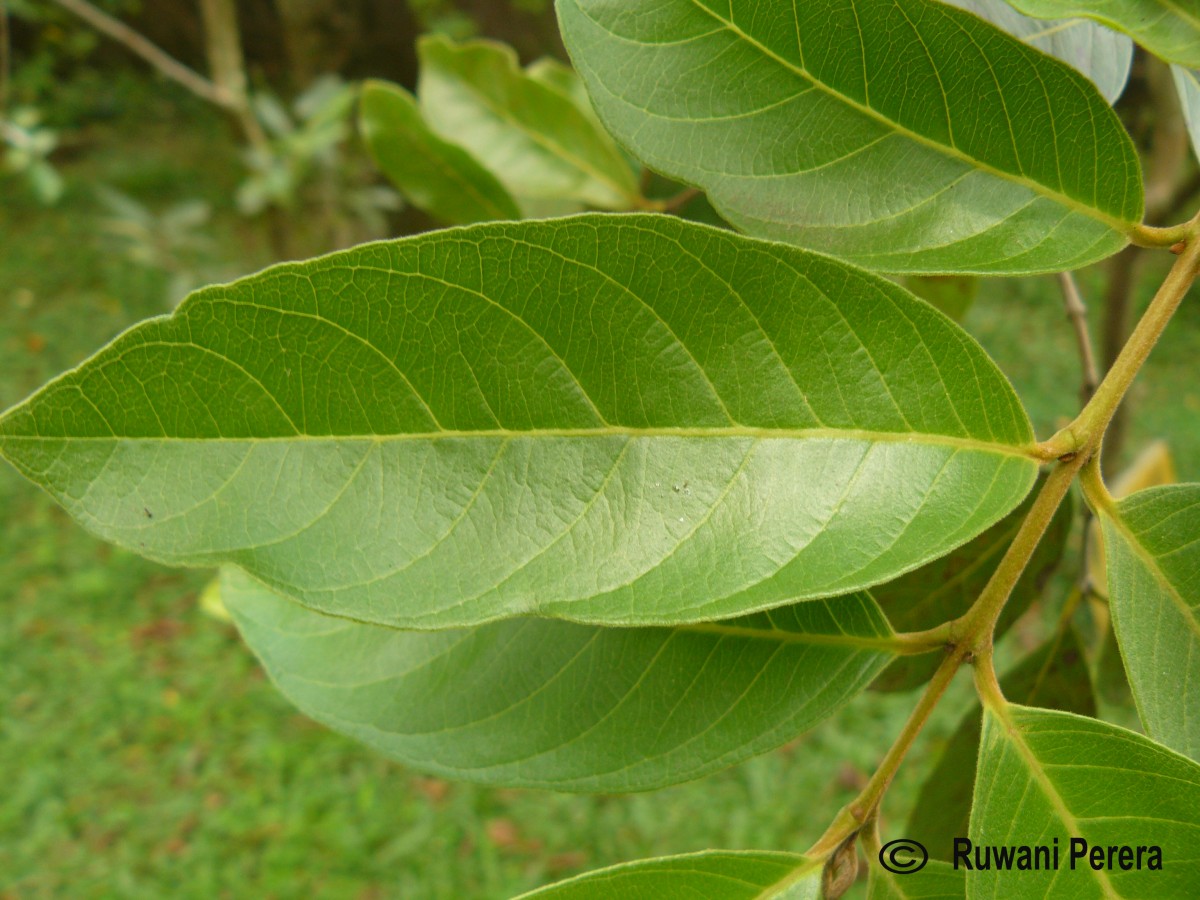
column 166, row 64
column 1083, row 436
column 680, row 200
column 1077, row 314
column 862, row 810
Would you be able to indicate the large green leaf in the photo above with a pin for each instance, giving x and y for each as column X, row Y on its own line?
column 435, row 175
column 715, row 874
column 936, row 881
column 1168, row 28
column 1104, row 56
column 901, row 134
column 613, row 419
column 945, row 588
column 532, row 136
column 1046, row 776
column 1054, row 676
column 1152, row 545
column 543, row 703
column 1187, row 83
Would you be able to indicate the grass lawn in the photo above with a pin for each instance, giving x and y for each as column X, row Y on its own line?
column 144, row 754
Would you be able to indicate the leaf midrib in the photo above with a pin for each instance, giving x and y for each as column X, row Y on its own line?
column 1019, row 451
column 1151, row 562
column 1038, row 188
column 1042, row 779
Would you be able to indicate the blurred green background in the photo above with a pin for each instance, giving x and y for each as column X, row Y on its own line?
column 142, row 751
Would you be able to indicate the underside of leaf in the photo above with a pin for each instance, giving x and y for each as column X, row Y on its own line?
column 621, row 419
column 877, row 130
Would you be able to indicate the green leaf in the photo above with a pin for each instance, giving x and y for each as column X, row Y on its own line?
column 534, row 138
column 564, row 79
column 946, row 588
column 1052, row 775
column 541, row 703
column 715, row 874
column 1187, row 83
column 1103, row 56
column 1167, row 28
column 435, row 175
column 613, row 419
column 1054, row 676
column 937, row 881
column 1152, row 544
column 832, row 125
column 1112, row 681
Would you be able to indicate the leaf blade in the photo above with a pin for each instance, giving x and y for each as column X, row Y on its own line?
column 1105, row 57
column 1166, row 28
column 1054, row 676
column 722, row 874
column 625, row 709
column 936, row 881
column 655, row 72
column 532, row 136
column 591, row 444
column 1152, row 548
column 436, row 175
column 1045, row 775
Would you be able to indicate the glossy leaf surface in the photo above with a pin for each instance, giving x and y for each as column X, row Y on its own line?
column 542, row 703
column 904, row 135
column 533, row 137
column 1054, row 676
column 719, row 875
column 1103, row 55
column 435, row 175
column 1152, row 547
column 1168, row 28
column 945, row 588
column 614, row 419
column 1045, row 775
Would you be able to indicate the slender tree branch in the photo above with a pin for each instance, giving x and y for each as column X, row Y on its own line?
column 1078, row 315
column 1084, row 435
column 863, row 809
column 227, row 66
column 974, row 630
column 680, row 200
column 166, row 64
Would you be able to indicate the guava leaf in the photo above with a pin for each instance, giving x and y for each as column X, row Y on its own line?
column 1152, row 547
column 435, row 175
column 550, row 704
column 614, row 419
column 714, row 875
column 1187, row 83
column 936, row 881
column 1046, row 776
column 1102, row 55
column 904, row 135
column 533, row 137
column 1169, row 29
